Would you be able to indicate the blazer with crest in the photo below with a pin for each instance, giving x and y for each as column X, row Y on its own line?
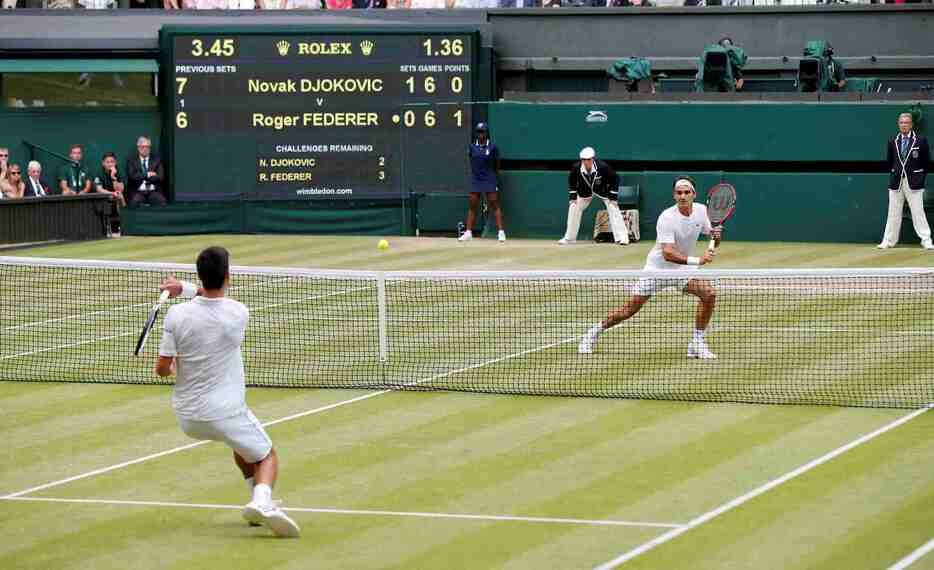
column 913, row 164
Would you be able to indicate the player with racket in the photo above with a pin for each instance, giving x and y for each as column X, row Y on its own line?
column 201, row 344
column 678, row 228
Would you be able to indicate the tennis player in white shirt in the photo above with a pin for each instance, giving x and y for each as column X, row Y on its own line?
column 201, row 346
column 678, row 229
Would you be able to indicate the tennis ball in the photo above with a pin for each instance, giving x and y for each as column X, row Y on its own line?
column 383, row 244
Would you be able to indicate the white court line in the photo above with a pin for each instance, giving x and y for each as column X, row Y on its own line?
column 270, row 423
column 710, row 515
column 914, row 556
column 70, row 345
column 361, row 512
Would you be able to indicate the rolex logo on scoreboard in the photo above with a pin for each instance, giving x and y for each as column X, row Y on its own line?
column 366, row 46
column 283, row 47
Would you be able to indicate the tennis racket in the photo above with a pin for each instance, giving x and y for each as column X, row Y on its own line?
column 150, row 322
column 721, row 203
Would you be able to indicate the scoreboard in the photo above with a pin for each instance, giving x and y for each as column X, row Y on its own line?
column 254, row 113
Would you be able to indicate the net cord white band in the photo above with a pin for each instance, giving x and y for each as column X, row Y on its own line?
column 467, row 275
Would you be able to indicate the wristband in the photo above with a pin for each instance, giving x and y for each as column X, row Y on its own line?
column 693, row 261
column 189, row 290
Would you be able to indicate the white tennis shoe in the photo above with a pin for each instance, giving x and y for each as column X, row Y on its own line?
column 466, row 236
column 700, row 350
column 501, row 236
column 565, row 241
column 884, row 245
column 273, row 517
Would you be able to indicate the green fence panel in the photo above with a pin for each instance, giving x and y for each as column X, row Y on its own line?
column 181, row 219
column 322, row 218
column 821, row 207
column 704, row 132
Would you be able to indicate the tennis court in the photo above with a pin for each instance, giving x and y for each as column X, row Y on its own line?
column 99, row 474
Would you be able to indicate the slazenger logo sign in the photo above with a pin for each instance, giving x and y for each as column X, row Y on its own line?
column 596, row 117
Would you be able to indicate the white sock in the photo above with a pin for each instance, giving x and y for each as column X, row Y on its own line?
column 698, row 335
column 262, row 494
column 249, row 484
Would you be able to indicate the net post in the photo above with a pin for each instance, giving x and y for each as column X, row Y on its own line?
column 381, row 312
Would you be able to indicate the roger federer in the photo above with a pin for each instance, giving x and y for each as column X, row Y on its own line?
column 201, row 346
column 678, row 228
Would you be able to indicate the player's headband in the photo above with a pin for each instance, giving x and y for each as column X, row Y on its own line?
column 685, row 183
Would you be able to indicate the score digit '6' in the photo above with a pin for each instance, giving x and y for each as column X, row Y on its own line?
column 181, row 120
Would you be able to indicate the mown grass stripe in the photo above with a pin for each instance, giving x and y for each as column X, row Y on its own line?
column 740, row 500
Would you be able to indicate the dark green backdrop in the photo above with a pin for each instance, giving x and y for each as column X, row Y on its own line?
column 804, row 172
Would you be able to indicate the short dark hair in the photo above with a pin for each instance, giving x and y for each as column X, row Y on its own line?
column 213, row 266
column 76, row 146
column 108, row 155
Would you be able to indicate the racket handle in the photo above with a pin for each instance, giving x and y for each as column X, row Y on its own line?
column 712, row 245
column 164, row 297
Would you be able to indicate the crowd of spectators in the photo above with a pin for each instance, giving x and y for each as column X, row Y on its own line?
column 139, row 182
column 412, row 4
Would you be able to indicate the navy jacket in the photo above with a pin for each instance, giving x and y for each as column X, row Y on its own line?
column 915, row 165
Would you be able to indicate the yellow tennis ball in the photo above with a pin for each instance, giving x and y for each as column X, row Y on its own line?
column 383, row 244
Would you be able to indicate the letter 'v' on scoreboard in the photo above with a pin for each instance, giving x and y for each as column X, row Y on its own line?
column 307, row 113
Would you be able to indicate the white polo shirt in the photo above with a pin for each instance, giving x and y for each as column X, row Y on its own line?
column 204, row 336
column 673, row 227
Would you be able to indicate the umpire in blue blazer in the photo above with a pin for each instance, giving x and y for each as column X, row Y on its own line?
column 908, row 157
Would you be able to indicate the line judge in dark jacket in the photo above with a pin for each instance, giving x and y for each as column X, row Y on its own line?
column 908, row 157
column 591, row 176
column 144, row 174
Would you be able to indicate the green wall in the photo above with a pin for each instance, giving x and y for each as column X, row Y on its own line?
column 709, row 132
column 812, row 205
column 267, row 217
column 770, row 206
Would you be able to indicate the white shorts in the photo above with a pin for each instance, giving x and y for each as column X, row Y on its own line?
column 648, row 286
column 242, row 432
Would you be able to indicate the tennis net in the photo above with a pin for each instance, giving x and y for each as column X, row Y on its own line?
column 838, row 337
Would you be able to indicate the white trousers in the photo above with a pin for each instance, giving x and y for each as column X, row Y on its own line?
column 893, row 224
column 576, row 210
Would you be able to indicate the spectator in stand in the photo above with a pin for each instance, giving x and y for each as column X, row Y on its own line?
column 518, row 4
column 72, row 176
column 338, row 4
column 4, row 159
column 109, row 181
column 144, row 176
column 35, row 187
column 369, row 4
column 11, row 184
column 632, row 3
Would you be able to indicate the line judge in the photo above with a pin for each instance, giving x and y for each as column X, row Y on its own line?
column 908, row 157
column 592, row 176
